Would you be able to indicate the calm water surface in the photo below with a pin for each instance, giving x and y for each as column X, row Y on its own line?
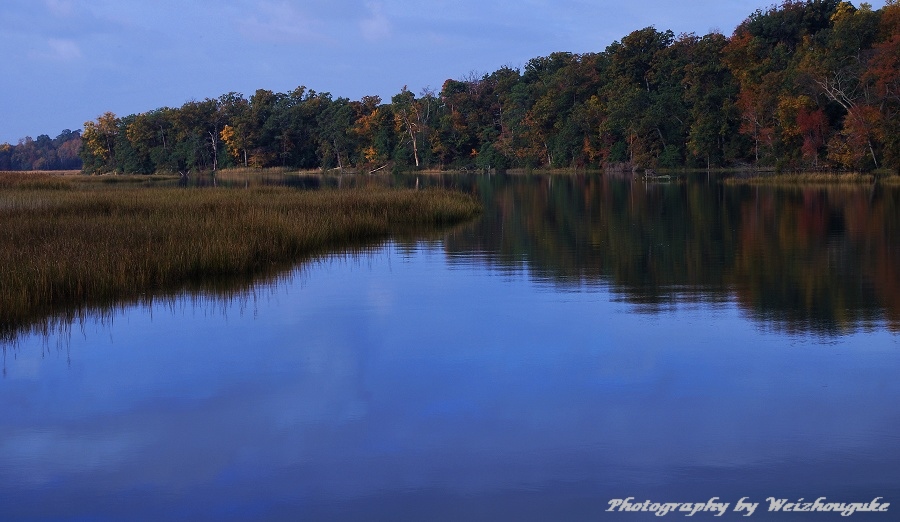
column 586, row 340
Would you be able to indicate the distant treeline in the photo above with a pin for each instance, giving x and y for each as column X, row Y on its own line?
column 60, row 153
column 802, row 85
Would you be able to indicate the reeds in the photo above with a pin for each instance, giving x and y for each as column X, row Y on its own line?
column 803, row 178
column 65, row 243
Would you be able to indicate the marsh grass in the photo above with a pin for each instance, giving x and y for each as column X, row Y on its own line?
column 38, row 180
column 68, row 244
column 242, row 176
column 803, row 178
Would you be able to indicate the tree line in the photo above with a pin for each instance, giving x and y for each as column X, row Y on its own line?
column 806, row 84
column 44, row 153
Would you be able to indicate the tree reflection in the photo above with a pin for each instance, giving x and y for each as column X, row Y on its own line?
column 819, row 259
column 811, row 259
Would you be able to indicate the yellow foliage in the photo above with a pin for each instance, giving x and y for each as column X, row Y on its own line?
column 98, row 137
column 365, row 123
column 788, row 109
column 93, row 142
column 844, row 9
column 230, row 138
column 370, row 154
column 139, row 132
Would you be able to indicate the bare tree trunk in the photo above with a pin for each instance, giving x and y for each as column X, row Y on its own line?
column 631, row 148
column 337, row 153
column 214, row 143
column 756, row 141
column 412, row 138
column 835, row 89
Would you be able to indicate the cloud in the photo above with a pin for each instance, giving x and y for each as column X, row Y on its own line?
column 65, row 50
column 60, row 8
column 59, row 50
column 376, row 26
column 280, row 22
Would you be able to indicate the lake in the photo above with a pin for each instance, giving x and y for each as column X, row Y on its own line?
column 587, row 339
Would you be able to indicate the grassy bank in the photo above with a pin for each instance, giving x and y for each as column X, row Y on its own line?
column 66, row 242
column 808, row 178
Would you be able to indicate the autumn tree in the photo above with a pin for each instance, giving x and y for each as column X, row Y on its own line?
column 373, row 131
column 804, row 83
column 883, row 74
column 6, row 152
column 835, row 64
column 235, row 131
column 98, row 142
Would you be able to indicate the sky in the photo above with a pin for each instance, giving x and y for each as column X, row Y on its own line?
column 69, row 61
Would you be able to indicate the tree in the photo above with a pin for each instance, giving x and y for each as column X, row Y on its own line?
column 67, row 145
column 798, row 83
column 883, row 73
column 812, row 125
column 373, row 132
column 98, row 142
column 235, row 130
column 409, row 119
column 335, row 122
column 836, row 65
column 643, row 94
column 710, row 90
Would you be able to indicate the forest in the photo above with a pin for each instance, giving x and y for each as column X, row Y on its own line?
column 44, row 153
column 803, row 85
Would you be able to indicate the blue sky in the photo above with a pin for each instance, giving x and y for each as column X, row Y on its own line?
column 68, row 61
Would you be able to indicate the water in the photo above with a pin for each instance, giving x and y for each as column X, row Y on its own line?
column 586, row 340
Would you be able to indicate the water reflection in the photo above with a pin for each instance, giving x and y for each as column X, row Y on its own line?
column 821, row 259
column 495, row 372
column 813, row 259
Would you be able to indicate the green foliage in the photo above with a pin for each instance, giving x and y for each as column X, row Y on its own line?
column 786, row 25
column 802, row 84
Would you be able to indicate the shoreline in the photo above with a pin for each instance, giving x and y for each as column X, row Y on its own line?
column 70, row 244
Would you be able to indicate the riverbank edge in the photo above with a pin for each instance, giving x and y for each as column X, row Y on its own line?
column 70, row 244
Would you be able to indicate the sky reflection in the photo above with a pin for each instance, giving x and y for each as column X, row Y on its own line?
column 391, row 385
